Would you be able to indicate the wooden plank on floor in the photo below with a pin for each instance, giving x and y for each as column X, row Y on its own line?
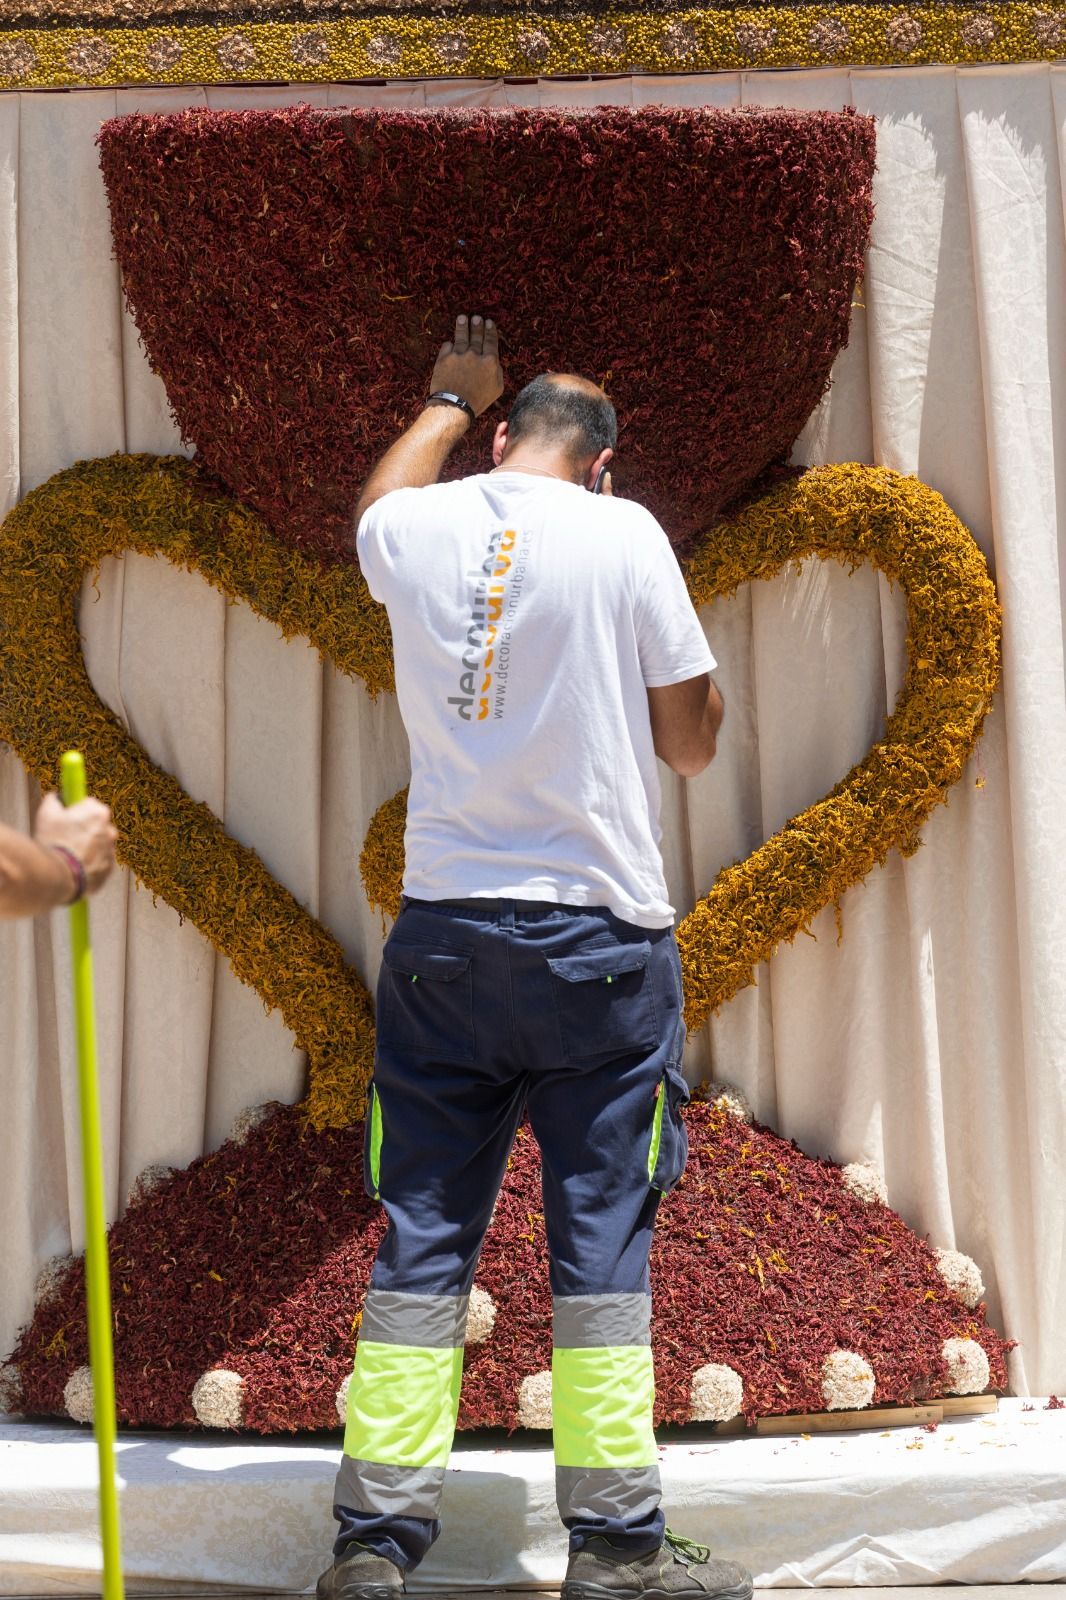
column 852, row 1421
column 958, row 1405
column 968, row 1405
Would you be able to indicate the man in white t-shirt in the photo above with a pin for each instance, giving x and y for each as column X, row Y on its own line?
column 546, row 653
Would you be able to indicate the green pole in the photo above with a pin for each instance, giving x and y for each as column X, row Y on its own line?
column 97, row 1274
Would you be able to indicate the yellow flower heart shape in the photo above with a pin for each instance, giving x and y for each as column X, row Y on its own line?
column 180, row 851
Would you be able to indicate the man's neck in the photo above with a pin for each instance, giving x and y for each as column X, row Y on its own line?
column 541, row 465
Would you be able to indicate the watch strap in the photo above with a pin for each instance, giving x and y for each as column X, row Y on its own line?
column 450, row 399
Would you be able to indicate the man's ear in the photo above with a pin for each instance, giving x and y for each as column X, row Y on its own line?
column 604, row 459
column 499, row 443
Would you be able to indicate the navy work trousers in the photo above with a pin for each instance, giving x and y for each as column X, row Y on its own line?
column 488, row 1010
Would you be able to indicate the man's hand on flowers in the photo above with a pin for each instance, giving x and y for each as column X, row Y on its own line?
column 468, row 364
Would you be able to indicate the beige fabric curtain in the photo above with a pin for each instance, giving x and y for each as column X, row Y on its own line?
column 930, row 1040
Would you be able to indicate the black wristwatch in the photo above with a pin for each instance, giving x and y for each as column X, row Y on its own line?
column 455, row 400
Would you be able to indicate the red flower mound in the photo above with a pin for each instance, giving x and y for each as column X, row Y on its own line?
column 256, row 1259
column 292, row 273
column 262, row 1249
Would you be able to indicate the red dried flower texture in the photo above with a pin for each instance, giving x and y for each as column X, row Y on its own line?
column 291, row 273
column 256, row 1258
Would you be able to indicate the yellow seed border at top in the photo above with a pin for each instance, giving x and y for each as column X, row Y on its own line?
column 623, row 40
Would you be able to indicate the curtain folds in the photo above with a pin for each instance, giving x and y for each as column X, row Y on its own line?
column 930, row 1039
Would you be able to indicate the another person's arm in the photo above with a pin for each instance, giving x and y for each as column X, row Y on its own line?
column 467, row 365
column 69, row 845
column 685, row 719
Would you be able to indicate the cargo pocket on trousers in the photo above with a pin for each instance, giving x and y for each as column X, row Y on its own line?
column 373, row 1133
column 604, row 1002
column 668, row 1145
column 426, row 1001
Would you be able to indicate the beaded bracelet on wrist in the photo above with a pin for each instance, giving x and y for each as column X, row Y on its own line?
column 78, row 871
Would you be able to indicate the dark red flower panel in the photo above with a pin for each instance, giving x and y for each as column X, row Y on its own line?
column 292, row 273
column 256, row 1259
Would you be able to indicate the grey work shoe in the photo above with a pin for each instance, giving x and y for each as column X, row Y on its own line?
column 360, row 1574
column 679, row 1568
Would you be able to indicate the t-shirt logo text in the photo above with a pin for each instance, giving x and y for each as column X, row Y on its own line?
column 475, row 681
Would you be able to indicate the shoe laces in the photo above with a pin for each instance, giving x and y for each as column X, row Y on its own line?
column 688, row 1549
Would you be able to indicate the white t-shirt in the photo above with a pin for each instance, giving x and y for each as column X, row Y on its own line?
column 528, row 617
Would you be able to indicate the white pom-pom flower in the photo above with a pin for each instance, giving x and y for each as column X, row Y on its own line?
column 147, row 1182
column 10, row 1389
column 847, row 1381
column 864, row 1181
column 480, row 1317
column 341, row 1401
column 217, row 1397
column 729, row 1098
column 967, row 1367
column 962, row 1276
column 535, row 1401
column 717, row 1393
column 252, row 1117
column 50, row 1279
column 78, row 1395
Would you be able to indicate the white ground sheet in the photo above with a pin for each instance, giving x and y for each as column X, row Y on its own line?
column 982, row 1500
column 931, row 1040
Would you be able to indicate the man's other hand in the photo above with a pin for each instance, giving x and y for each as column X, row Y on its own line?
column 84, row 829
column 469, row 364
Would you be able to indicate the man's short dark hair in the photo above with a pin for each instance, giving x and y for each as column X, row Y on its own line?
column 577, row 414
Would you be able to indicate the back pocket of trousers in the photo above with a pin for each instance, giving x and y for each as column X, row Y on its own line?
column 425, row 1001
column 604, row 1002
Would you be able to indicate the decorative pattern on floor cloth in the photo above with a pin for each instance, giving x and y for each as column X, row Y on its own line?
column 776, row 1288
column 66, row 43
